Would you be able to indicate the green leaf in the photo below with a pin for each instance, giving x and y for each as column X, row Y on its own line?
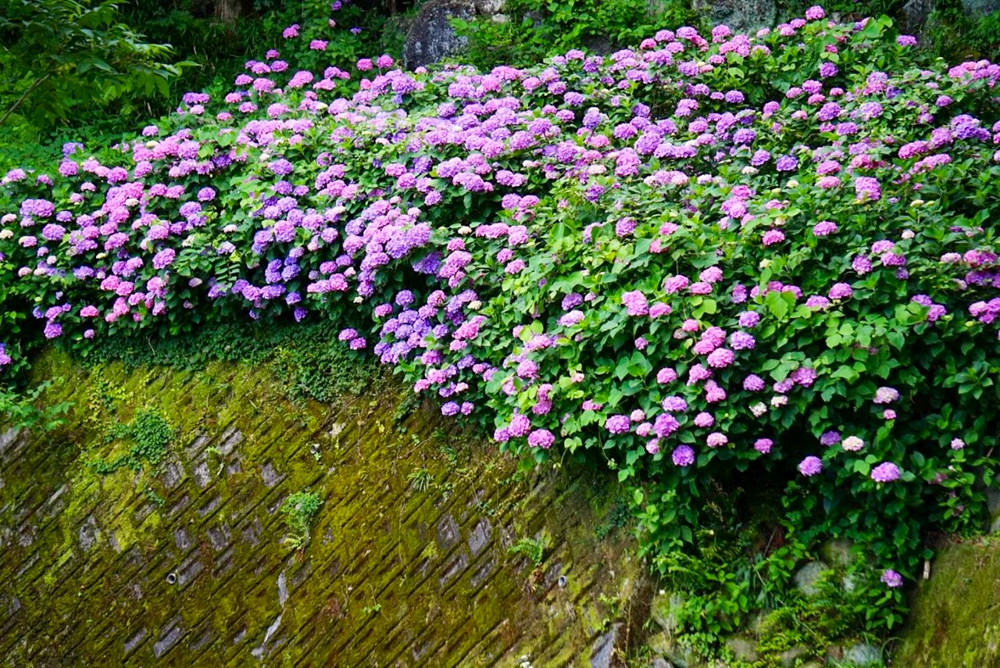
column 777, row 304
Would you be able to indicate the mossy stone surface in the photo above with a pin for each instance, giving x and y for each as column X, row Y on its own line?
column 185, row 564
column 954, row 621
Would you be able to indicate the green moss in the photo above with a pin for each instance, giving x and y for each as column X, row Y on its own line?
column 239, row 448
column 148, row 436
column 951, row 625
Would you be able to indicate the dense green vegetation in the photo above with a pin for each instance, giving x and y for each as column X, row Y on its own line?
column 752, row 277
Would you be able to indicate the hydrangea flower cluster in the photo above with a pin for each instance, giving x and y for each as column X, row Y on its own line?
column 701, row 252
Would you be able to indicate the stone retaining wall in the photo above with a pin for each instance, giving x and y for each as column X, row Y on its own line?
column 407, row 564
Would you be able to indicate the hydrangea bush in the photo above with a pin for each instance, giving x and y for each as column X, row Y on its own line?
column 711, row 260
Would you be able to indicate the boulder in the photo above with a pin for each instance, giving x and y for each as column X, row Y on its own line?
column 807, row 578
column 742, row 648
column 914, row 14
column 431, row 36
column 665, row 609
column 740, row 15
column 678, row 655
column 862, row 654
column 837, row 552
column 977, row 8
column 791, row 656
column 602, row 653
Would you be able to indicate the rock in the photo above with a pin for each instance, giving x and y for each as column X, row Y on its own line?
column 660, row 662
column 953, row 612
column 602, row 652
column 664, row 610
column 980, row 7
column 807, row 578
column 914, row 14
column 740, row 15
column 993, row 505
column 742, row 648
column 863, row 654
column 598, row 45
column 758, row 621
column 837, row 552
column 679, row 656
column 488, row 7
column 431, row 37
column 788, row 658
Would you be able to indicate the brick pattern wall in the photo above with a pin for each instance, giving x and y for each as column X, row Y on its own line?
column 407, row 563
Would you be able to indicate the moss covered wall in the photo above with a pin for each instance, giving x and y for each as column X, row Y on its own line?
column 185, row 564
column 955, row 622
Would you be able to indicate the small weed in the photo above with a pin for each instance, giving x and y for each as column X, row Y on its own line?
column 421, row 479
column 613, row 607
column 619, row 516
column 153, row 497
column 299, row 509
column 533, row 549
column 150, row 435
column 405, row 408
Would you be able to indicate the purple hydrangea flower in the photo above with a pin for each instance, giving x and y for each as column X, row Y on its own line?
column 810, row 466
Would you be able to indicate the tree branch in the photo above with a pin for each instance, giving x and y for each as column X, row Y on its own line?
column 24, row 96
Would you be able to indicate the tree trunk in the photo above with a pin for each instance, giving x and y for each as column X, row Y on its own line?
column 228, row 11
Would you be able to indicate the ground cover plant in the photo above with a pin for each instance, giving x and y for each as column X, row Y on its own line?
column 708, row 263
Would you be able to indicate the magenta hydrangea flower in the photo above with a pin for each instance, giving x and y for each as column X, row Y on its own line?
column 763, row 445
column 840, row 291
column 741, row 341
column 892, row 579
column 753, row 383
column 541, row 438
column 635, row 303
column 749, row 319
column 704, row 419
column 772, row 237
column 885, row 472
column 659, row 309
column 824, row 228
column 683, row 455
column 674, row 404
column 618, row 424
column 666, row 375
column 720, row 358
column 810, row 466
column 519, row 425
column 716, row 439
